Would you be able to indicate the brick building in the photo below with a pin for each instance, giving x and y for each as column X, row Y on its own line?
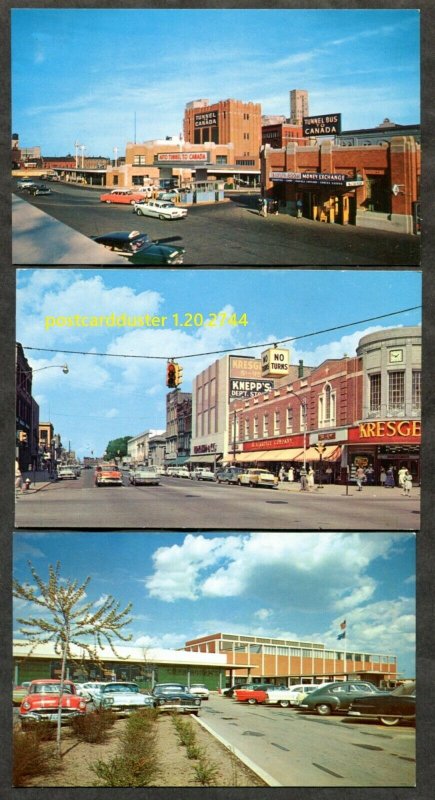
column 178, row 427
column 375, row 186
column 225, row 122
column 263, row 659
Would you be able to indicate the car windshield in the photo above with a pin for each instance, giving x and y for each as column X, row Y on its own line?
column 49, row 688
column 120, row 687
column 405, row 690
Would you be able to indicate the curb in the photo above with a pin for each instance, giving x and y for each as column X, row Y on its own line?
column 269, row 781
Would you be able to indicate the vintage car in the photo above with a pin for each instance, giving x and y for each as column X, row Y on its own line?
column 42, row 703
column 254, row 694
column 288, row 696
column 138, row 248
column 144, row 476
column 179, row 472
column 202, row 474
column 40, row 188
column 199, row 690
column 337, row 696
column 107, row 475
column 229, row 475
column 121, row 698
column 66, row 473
column 228, row 691
column 175, row 697
column 258, row 477
column 121, row 196
column 162, row 209
column 20, row 692
column 389, row 708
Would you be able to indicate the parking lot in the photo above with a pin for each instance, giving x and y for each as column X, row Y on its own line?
column 232, row 233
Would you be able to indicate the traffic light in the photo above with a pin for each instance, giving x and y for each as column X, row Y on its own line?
column 171, row 375
column 178, row 374
column 174, row 375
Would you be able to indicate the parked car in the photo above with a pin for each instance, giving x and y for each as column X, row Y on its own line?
column 121, row 698
column 138, row 248
column 229, row 690
column 299, row 699
column 88, row 688
column 199, row 690
column 162, row 209
column 168, row 194
column 202, row 474
column 337, row 696
column 180, row 472
column 121, row 196
column 39, row 189
column 254, row 694
column 175, row 697
column 107, row 475
column 287, row 697
column 42, row 703
column 230, row 475
column 25, row 183
column 390, row 708
column 162, row 471
column 66, row 473
column 258, row 477
column 144, row 476
column 20, row 692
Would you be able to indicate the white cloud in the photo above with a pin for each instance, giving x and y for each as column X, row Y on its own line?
column 263, row 613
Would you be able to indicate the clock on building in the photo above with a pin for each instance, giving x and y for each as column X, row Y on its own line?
column 396, row 356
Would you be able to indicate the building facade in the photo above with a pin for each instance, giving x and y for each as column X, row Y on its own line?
column 376, row 186
column 145, row 666
column 138, row 447
column 299, row 106
column 282, row 660
column 178, row 427
column 26, row 414
column 225, row 122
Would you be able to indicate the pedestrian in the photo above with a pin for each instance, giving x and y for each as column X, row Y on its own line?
column 299, row 205
column 310, row 478
column 275, row 207
column 281, row 475
column 401, row 476
column 303, row 480
column 263, row 208
column 18, row 478
column 382, row 477
column 370, row 475
column 360, row 476
column 389, row 480
column 291, row 475
column 328, row 471
column 407, row 484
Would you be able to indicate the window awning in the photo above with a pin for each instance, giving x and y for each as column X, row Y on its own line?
column 282, row 455
column 248, row 458
column 204, row 458
column 330, row 453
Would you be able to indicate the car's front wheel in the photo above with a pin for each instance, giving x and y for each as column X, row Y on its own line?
column 252, row 701
column 162, row 216
column 284, row 703
column 323, row 709
column 389, row 721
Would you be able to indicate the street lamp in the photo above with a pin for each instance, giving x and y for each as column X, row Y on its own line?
column 303, row 405
column 63, row 367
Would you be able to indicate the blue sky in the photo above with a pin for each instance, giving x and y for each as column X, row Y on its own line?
column 103, row 398
column 291, row 585
column 151, row 62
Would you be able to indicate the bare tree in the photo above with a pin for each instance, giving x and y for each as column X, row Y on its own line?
column 68, row 620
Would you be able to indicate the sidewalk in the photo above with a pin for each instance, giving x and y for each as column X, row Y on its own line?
column 39, row 480
column 334, row 489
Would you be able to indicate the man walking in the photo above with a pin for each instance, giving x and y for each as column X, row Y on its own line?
column 360, row 475
column 303, row 480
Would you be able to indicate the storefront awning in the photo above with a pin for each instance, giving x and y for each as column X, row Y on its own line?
column 330, row 453
column 204, row 458
column 281, row 455
column 248, row 458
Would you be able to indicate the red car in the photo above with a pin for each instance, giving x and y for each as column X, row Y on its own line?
column 42, row 703
column 107, row 475
column 252, row 696
column 121, row 196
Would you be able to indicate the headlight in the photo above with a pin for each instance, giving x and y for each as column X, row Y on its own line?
column 26, row 705
column 197, row 702
column 108, row 701
column 82, row 704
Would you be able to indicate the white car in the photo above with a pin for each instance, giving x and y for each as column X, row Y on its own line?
column 199, row 690
column 180, row 472
column 143, row 476
column 203, row 474
column 162, row 209
column 258, row 477
column 89, row 688
column 290, row 697
column 66, row 473
column 121, row 698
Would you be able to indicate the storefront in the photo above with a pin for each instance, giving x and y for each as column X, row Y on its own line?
column 385, row 443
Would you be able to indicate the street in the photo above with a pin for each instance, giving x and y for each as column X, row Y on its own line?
column 296, row 748
column 178, row 503
column 233, row 233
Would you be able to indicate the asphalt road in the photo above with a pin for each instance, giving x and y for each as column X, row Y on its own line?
column 178, row 503
column 233, row 233
column 302, row 749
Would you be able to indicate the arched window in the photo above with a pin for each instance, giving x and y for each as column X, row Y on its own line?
column 327, row 407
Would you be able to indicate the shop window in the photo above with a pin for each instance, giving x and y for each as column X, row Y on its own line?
column 396, row 392
column 375, row 392
column 221, row 159
column 416, row 390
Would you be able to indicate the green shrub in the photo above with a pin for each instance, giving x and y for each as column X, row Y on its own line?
column 206, row 772
column 93, row 727
column 30, row 758
column 135, row 765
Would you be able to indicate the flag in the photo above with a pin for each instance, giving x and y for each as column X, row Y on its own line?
column 342, row 635
column 343, row 625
